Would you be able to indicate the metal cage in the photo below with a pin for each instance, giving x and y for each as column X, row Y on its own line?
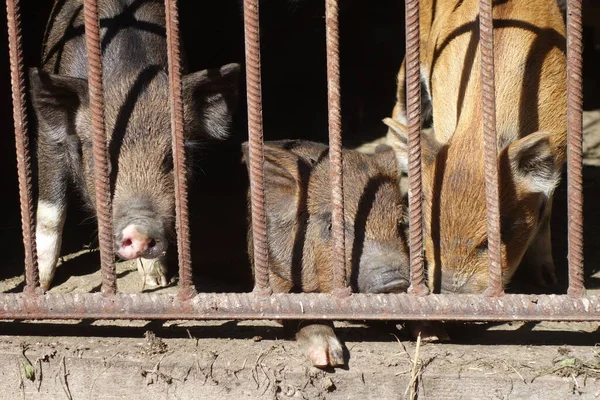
column 418, row 304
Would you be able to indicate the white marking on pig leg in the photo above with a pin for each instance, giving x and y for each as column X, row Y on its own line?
column 49, row 227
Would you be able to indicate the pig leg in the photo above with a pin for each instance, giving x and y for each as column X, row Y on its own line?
column 538, row 257
column 153, row 271
column 399, row 111
column 320, row 344
column 51, row 207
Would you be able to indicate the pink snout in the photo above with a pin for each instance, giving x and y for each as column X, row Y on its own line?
column 135, row 242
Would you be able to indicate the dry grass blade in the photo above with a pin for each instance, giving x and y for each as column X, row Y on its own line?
column 415, row 372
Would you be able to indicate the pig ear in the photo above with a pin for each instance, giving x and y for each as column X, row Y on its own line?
column 56, row 99
column 283, row 171
column 533, row 163
column 210, row 97
column 397, row 139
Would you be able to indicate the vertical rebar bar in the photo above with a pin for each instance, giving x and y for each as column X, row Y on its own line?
column 186, row 285
column 255, row 148
column 22, row 143
column 100, row 147
column 413, row 114
column 575, row 147
column 491, row 148
column 340, row 284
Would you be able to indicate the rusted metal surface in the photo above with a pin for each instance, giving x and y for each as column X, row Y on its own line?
column 255, row 148
column 491, row 149
column 413, row 114
column 575, row 147
column 186, row 286
column 340, row 283
column 22, row 143
column 297, row 306
column 100, row 147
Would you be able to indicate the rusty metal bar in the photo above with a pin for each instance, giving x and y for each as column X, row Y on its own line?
column 491, row 149
column 413, row 115
column 575, row 147
column 13, row 16
column 255, row 148
column 186, row 285
column 336, row 169
column 100, row 147
column 302, row 306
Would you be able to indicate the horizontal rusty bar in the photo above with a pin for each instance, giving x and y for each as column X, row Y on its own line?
column 403, row 306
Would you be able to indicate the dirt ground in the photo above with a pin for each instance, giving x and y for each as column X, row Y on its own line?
column 232, row 360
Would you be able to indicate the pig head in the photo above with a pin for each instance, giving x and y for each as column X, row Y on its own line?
column 298, row 210
column 137, row 120
column 530, row 85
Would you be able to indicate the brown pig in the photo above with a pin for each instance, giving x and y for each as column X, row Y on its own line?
column 530, row 83
column 298, row 211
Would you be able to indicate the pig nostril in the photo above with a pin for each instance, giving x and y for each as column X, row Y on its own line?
column 127, row 243
column 152, row 243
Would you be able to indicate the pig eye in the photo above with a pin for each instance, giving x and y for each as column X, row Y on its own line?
column 167, row 164
column 482, row 246
column 325, row 223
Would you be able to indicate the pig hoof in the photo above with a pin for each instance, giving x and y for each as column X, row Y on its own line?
column 45, row 286
column 153, row 272
column 46, row 280
column 321, row 345
column 430, row 332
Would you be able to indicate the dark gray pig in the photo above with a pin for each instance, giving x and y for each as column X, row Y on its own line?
column 298, row 210
column 137, row 117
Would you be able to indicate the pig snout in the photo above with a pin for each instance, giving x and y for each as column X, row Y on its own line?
column 139, row 241
column 381, row 279
column 382, row 270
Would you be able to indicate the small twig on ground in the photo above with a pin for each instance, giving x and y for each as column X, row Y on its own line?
column 235, row 372
column 576, row 385
column 210, row 369
column 403, row 347
column 211, row 366
column 64, row 382
column 102, row 372
column 21, row 383
column 41, row 374
column 187, row 373
column 192, row 337
column 269, row 382
column 517, row 372
column 255, row 369
column 26, row 363
column 157, row 365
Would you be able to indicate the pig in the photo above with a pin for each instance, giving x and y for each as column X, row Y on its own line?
column 137, row 119
column 530, row 83
column 298, row 213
